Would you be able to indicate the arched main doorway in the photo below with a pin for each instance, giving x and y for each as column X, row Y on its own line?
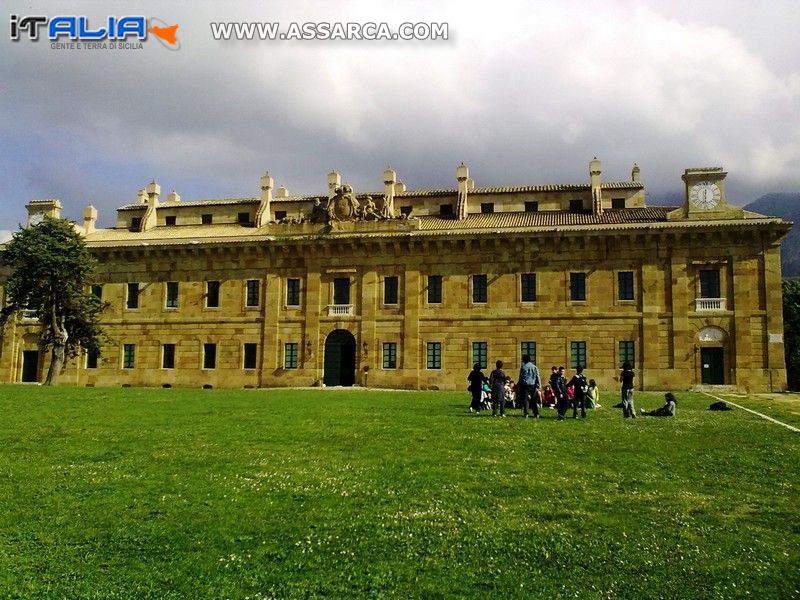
column 340, row 358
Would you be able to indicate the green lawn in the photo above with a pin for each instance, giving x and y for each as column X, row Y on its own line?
column 133, row 493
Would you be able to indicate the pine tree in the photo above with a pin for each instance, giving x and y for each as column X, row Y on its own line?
column 50, row 273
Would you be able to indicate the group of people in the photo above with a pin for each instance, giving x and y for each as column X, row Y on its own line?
column 579, row 392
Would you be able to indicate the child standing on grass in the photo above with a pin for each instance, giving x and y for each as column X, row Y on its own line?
column 593, row 395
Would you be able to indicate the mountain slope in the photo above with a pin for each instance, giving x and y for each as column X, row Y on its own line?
column 786, row 206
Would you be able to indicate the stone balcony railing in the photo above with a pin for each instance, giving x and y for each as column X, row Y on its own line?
column 708, row 304
column 340, row 310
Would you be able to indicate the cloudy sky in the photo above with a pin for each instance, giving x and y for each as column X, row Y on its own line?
column 523, row 92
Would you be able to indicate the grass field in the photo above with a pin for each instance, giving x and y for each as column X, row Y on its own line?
column 134, row 493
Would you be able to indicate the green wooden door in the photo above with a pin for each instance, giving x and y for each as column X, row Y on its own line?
column 712, row 366
column 340, row 358
column 30, row 366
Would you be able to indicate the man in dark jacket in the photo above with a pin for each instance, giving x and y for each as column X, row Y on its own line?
column 580, row 386
column 559, row 383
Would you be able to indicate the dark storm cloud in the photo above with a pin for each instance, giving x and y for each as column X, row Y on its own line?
column 523, row 94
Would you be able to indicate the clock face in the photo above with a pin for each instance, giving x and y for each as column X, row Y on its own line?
column 36, row 218
column 705, row 194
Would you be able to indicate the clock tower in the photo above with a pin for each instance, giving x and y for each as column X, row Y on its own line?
column 705, row 196
column 37, row 209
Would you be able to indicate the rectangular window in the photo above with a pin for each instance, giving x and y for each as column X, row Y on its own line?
column 280, row 215
column 487, row 207
column 389, row 355
column 243, row 218
column 434, row 289
column 528, row 348
column 434, row 355
column 97, row 291
column 209, row 356
column 406, row 210
column 627, row 353
column 577, row 354
column 91, row 359
column 292, row 292
column 128, row 356
column 446, row 210
column 625, row 285
column 290, row 356
column 170, row 220
column 479, row 354
column 212, row 294
column 250, row 356
column 341, row 290
column 206, row 219
column 618, row 203
column 168, row 356
column 576, row 206
column 709, row 283
column 479, row 289
column 172, row 294
column 136, row 223
column 390, row 290
column 132, row 300
column 532, row 206
column 528, row 281
column 577, row 286
column 252, row 292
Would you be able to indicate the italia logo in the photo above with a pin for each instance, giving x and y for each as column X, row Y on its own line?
column 76, row 28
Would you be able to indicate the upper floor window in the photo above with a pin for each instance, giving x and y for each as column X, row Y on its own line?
column 625, row 285
column 479, row 289
column 390, row 295
column 212, row 294
column 532, row 206
column 280, row 215
column 243, row 218
column 170, row 220
column 341, row 290
column 709, row 283
column 206, row 219
column 487, row 207
column 434, row 289
column 136, row 223
column 618, row 203
column 172, row 294
column 132, row 300
column 252, row 292
column 528, row 281
column 577, row 286
column 576, row 206
column 406, row 210
column 97, row 291
column 292, row 292
column 445, row 210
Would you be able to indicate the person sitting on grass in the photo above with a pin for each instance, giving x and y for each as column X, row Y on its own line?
column 668, row 410
column 548, row 397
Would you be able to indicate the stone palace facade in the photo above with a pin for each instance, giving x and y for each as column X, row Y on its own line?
column 407, row 288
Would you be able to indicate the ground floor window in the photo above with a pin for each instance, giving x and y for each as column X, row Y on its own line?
column 128, row 356
column 479, row 354
column 434, row 355
column 168, row 356
column 250, row 354
column 528, row 348
column 627, row 352
column 209, row 356
column 389, row 355
column 290, row 355
column 577, row 354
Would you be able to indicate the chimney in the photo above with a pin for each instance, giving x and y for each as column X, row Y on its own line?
column 595, row 169
column 149, row 220
column 635, row 174
column 334, row 181
column 173, row 197
column 142, row 197
column 89, row 219
column 281, row 192
column 462, row 175
column 264, row 214
column 389, row 188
